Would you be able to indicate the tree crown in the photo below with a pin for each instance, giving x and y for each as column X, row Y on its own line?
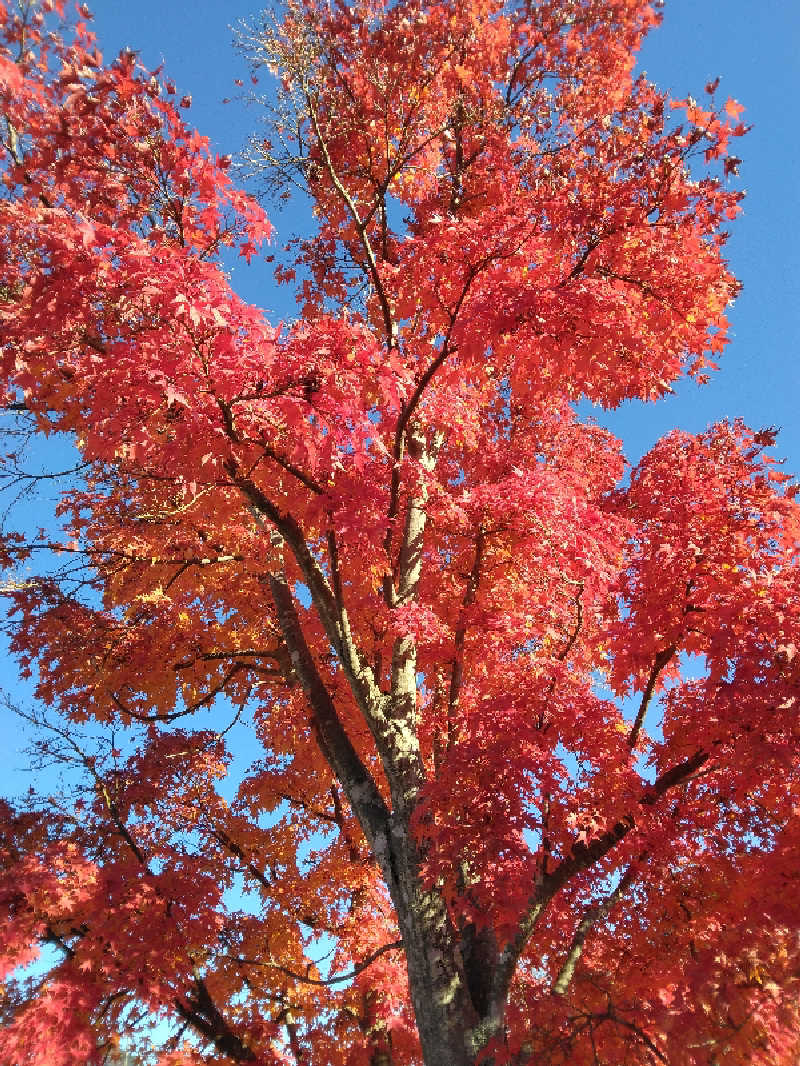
column 455, row 621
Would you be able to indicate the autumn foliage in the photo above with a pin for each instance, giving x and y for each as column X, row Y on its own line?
column 522, row 720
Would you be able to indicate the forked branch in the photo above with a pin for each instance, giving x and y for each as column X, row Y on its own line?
column 581, row 857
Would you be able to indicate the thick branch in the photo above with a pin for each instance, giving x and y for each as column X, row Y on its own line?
column 333, row 617
column 410, row 407
column 189, row 708
column 583, row 855
column 129, row 557
column 591, row 244
column 397, row 747
column 50, row 936
column 295, row 471
column 408, row 771
column 202, row 1014
column 409, row 563
column 612, row 1016
column 360, row 788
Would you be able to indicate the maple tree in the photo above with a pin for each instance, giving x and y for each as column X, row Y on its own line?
column 490, row 778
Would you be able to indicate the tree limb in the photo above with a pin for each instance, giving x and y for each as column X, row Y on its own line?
column 593, row 915
column 661, row 661
column 581, row 857
column 200, row 1011
column 389, row 325
column 344, row 761
column 334, row 620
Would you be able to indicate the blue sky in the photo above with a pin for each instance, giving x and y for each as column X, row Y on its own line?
column 754, row 48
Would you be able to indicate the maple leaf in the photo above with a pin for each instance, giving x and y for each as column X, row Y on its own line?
column 733, row 108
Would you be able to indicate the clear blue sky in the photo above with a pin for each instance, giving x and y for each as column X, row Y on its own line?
column 755, row 49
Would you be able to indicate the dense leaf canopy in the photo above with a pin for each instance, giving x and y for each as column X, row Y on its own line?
column 523, row 720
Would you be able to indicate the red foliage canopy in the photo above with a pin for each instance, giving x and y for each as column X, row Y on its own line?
column 524, row 721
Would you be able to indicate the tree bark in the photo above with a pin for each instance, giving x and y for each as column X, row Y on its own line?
column 439, row 989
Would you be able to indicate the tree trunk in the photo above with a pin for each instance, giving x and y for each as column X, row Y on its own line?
column 440, row 993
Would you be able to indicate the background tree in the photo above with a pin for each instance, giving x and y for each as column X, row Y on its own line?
column 486, row 781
